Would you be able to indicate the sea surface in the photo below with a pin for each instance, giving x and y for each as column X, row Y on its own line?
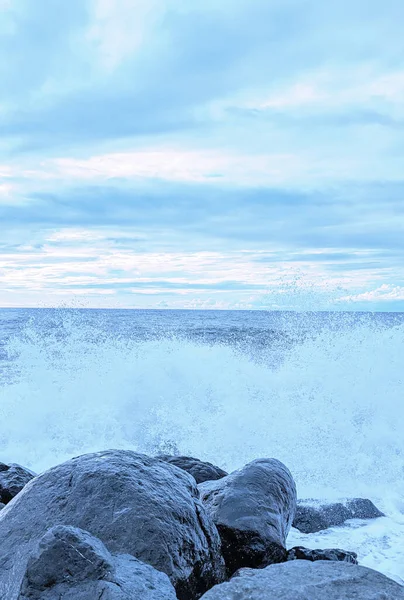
column 323, row 392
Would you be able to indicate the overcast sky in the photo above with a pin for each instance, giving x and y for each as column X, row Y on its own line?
column 202, row 153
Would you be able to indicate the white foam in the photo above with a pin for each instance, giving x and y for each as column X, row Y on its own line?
column 378, row 543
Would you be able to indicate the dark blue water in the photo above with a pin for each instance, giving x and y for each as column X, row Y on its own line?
column 246, row 330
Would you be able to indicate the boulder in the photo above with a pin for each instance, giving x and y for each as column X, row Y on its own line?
column 301, row 553
column 253, row 509
column 305, row 580
column 133, row 503
column 361, row 508
column 71, row 564
column 201, row 471
column 12, row 479
column 312, row 515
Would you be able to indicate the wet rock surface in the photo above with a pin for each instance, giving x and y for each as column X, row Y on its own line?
column 134, row 504
column 361, row 508
column 201, row 471
column 13, row 478
column 119, row 525
column 253, row 509
column 71, row 564
column 312, row 516
column 305, row 580
column 301, row 553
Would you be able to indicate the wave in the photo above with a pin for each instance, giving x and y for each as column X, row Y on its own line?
column 331, row 407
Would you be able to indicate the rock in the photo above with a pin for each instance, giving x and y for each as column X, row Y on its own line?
column 133, row 503
column 253, row 509
column 309, row 519
column 71, row 564
column 305, row 580
column 2, row 505
column 201, row 471
column 12, row 479
column 312, row 515
column 361, row 508
column 301, row 553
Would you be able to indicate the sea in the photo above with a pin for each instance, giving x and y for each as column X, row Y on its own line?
column 321, row 391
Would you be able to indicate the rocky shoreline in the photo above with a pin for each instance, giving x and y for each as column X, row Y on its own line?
column 119, row 525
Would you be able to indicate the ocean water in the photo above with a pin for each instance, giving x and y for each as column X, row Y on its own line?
column 323, row 392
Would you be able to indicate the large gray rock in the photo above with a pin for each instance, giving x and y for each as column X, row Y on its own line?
column 71, row 564
column 201, row 471
column 12, row 480
column 313, row 515
column 301, row 553
column 304, row 580
column 253, row 509
column 133, row 503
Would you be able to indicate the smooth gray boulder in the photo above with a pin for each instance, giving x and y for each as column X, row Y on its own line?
column 253, row 509
column 304, row 580
column 12, row 480
column 133, row 503
column 313, row 515
column 201, row 471
column 301, row 553
column 71, row 564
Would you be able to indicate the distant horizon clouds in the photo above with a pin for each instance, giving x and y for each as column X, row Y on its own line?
column 216, row 154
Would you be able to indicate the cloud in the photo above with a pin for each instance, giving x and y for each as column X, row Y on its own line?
column 383, row 293
column 198, row 152
column 105, row 70
column 173, row 165
column 364, row 217
column 332, row 89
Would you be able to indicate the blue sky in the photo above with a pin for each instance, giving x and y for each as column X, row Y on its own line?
column 202, row 154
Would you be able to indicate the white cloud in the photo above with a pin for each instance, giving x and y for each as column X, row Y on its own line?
column 300, row 94
column 76, row 262
column 5, row 189
column 5, row 171
column 384, row 293
column 359, row 87
column 74, row 235
column 182, row 165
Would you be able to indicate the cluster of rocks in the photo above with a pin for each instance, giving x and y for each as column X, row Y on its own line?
column 118, row 525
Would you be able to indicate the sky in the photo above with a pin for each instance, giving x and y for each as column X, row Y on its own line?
column 243, row 154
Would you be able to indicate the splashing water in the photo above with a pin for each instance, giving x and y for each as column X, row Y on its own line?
column 332, row 410
column 331, row 407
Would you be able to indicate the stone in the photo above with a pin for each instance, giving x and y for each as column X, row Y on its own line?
column 253, row 509
column 133, row 503
column 201, row 471
column 12, row 480
column 71, row 564
column 301, row 553
column 305, row 580
column 361, row 508
column 312, row 515
column 309, row 519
